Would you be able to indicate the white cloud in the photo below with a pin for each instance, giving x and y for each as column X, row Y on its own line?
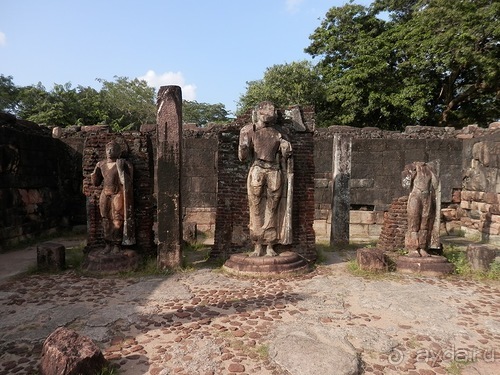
column 3, row 39
column 292, row 6
column 170, row 78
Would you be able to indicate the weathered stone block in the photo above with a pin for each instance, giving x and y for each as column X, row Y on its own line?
column 370, row 259
column 51, row 256
column 480, row 257
column 65, row 352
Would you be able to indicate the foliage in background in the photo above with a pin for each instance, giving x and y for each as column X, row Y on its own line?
column 458, row 257
column 434, row 62
column 389, row 65
column 127, row 104
column 393, row 64
column 203, row 113
column 286, row 85
column 9, row 94
column 123, row 104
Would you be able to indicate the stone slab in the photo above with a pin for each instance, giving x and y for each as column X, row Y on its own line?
column 428, row 266
column 285, row 263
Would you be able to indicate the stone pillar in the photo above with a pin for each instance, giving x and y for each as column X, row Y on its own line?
column 167, row 176
column 435, row 242
column 341, row 202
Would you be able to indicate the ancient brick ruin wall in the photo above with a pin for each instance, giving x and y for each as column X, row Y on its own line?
column 32, row 200
column 479, row 210
column 232, row 233
column 37, row 182
column 378, row 157
column 137, row 149
column 392, row 236
column 199, row 181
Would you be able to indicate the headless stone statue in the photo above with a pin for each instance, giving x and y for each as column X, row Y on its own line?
column 421, row 209
column 270, row 180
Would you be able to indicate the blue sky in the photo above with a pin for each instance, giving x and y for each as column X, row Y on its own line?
column 210, row 48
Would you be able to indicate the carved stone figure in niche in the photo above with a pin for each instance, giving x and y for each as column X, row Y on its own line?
column 116, row 199
column 270, row 180
column 422, row 180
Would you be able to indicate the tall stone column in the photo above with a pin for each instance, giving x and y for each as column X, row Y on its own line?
column 168, row 176
column 341, row 202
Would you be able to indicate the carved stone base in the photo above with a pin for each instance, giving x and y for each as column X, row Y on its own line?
column 428, row 266
column 285, row 264
column 109, row 263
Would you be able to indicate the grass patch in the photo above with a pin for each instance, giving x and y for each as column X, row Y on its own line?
column 458, row 257
column 354, row 269
column 263, row 351
column 456, row 367
column 108, row 371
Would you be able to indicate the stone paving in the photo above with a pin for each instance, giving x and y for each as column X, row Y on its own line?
column 207, row 322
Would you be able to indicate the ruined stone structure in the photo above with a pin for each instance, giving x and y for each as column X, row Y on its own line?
column 136, row 147
column 41, row 179
column 479, row 210
column 232, row 232
column 39, row 182
column 377, row 159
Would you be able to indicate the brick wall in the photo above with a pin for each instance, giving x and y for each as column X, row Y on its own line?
column 479, row 209
column 41, row 179
column 37, row 182
column 199, row 181
column 137, row 149
column 232, row 233
column 378, row 157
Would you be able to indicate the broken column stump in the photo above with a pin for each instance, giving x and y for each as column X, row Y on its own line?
column 65, row 352
column 371, row 259
column 51, row 256
column 480, row 257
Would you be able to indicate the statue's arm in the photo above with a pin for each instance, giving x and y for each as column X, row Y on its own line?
column 245, row 146
column 96, row 176
column 285, row 148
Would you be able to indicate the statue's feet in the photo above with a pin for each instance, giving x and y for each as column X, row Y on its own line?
column 424, row 253
column 258, row 251
column 270, row 251
column 116, row 249
column 414, row 254
column 107, row 249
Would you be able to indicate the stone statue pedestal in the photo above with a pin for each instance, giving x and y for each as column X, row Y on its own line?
column 434, row 265
column 98, row 261
column 287, row 263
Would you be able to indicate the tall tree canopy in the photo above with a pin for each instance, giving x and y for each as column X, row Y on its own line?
column 433, row 62
column 9, row 94
column 286, row 84
column 123, row 104
column 127, row 103
column 203, row 113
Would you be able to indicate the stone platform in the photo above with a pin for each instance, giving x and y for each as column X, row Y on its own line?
column 434, row 265
column 286, row 263
column 99, row 261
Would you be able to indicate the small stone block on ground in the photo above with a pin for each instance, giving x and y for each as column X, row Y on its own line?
column 480, row 257
column 66, row 352
column 371, row 259
column 51, row 256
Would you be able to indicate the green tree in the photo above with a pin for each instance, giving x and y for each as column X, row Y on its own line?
column 62, row 106
column 433, row 62
column 203, row 113
column 127, row 103
column 285, row 85
column 9, row 94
